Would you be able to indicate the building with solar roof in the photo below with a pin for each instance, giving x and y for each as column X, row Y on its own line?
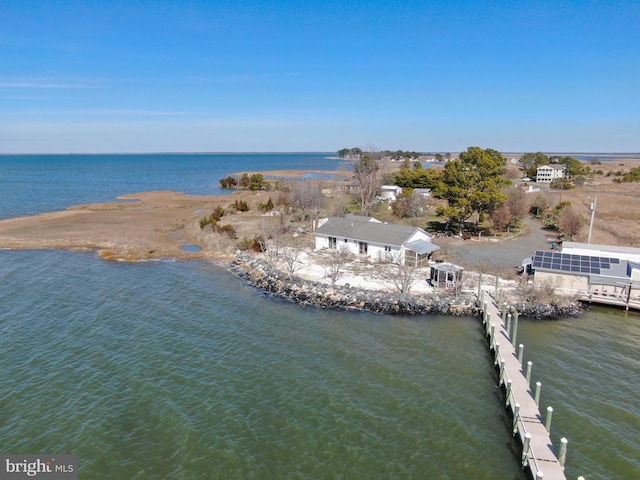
column 623, row 253
column 597, row 273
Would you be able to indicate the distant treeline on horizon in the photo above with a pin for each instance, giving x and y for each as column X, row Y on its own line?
column 357, row 152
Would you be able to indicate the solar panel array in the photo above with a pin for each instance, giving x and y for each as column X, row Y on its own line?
column 567, row 262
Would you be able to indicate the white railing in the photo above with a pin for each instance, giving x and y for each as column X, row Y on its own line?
column 519, row 426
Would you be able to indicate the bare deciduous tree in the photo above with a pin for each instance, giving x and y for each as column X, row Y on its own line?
column 400, row 275
column 544, row 292
column 271, row 240
column 272, row 251
column 283, row 197
column 308, row 197
column 290, row 255
column 518, row 204
column 409, row 204
column 540, row 204
column 366, row 183
column 570, row 222
column 340, row 202
column 501, row 217
column 333, row 262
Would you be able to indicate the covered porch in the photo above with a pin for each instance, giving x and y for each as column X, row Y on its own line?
column 418, row 253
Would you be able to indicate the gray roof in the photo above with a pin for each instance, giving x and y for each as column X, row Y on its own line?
column 554, row 166
column 447, row 267
column 383, row 233
column 602, row 250
column 421, row 247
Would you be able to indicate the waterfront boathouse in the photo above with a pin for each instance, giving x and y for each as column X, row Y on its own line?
column 596, row 273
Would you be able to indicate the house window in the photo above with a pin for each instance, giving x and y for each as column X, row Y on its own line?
column 363, row 248
column 332, row 242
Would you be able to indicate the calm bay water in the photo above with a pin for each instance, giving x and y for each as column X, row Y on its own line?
column 181, row 370
column 33, row 184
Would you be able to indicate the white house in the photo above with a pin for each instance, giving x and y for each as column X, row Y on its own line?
column 423, row 192
column 368, row 237
column 390, row 192
column 548, row 173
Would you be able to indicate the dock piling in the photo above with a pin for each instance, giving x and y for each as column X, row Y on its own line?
column 520, row 353
column 563, row 451
column 547, row 422
column 528, row 376
column 515, row 329
column 525, row 448
column 508, row 324
column 537, row 396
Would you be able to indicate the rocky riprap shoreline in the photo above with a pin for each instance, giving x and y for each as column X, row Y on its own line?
column 306, row 292
column 542, row 311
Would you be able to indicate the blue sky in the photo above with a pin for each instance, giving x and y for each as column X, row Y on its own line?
column 151, row 76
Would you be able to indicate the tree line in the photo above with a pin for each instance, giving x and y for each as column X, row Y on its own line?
column 398, row 155
column 470, row 189
column 473, row 187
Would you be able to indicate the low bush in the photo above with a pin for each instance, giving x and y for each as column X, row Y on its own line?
column 240, row 206
column 227, row 230
column 228, row 182
column 267, row 206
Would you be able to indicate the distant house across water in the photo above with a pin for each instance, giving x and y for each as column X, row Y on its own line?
column 548, row 173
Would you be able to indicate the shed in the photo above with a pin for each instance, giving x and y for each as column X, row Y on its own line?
column 446, row 275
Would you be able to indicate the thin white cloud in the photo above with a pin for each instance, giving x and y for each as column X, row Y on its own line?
column 105, row 113
column 50, row 83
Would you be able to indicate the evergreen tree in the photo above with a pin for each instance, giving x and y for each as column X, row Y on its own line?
column 472, row 184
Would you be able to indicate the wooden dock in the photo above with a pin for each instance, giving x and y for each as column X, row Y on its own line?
column 611, row 300
column 538, row 455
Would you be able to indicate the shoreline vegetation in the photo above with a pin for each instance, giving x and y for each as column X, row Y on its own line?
column 160, row 225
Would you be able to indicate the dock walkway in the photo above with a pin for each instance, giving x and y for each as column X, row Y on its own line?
column 538, row 454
